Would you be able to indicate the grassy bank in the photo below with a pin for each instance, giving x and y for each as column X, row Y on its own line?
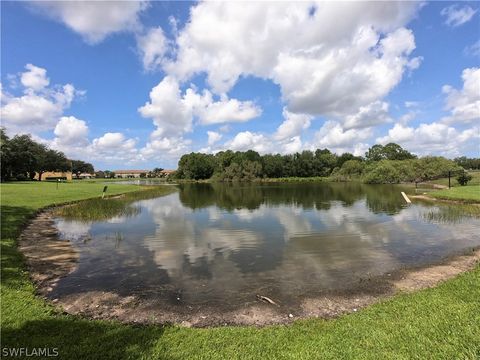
column 453, row 181
column 439, row 323
column 99, row 209
column 296, row 179
column 461, row 193
column 109, row 180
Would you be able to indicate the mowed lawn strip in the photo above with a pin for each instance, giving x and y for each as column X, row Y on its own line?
column 461, row 193
column 438, row 323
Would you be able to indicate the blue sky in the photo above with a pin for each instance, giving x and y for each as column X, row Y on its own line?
column 137, row 84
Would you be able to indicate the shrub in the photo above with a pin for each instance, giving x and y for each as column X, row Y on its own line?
column 464, row 178
column 382, row 172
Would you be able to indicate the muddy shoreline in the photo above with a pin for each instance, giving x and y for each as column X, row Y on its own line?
column 446, row 201
column 49, row 259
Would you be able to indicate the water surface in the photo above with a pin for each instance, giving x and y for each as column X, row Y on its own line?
column 211, row 244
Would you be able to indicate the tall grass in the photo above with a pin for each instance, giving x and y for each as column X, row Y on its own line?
column 103, row 209
column 452, row 214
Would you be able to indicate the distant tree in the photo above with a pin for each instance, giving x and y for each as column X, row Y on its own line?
column 303, row 164
column 223, row 159
column 100, row 174
column 273, row 166
column 464, row 178
column 375, row 153
column 25, row 156
column 143, row 175
column 155, row 173
column 350, row 169
column 79, row 167
column 434, row 167
column 345, row 157
column 196, row 166
column 252, row 155
column 390, row 151
column 383, row 172
column 251, row 170
column 468, row 163
column 52, row 160
column 5, row 155
column 109, row 174
column 324, row 162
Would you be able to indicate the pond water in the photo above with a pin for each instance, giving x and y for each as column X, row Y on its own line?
column 219, row 243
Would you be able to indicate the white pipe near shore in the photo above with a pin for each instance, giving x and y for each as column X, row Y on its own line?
column 406, row 198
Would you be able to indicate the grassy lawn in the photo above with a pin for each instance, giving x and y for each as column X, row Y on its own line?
column 464, row 193
column 109, row 180
column 439, row 323
column 454, row 183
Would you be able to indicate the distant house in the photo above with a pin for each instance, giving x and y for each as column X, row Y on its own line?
column 129, row 173
column 85, row 176
column 166, row 173
column 52, row 175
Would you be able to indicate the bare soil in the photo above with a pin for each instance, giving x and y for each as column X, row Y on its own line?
column 50, row 259
column 448, row 201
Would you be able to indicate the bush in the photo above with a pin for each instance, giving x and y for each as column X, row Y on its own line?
column 350, row 169
column 382, row 172
column 464, row 178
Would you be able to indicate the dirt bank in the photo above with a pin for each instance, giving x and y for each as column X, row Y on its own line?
column 49, row 259
column 447, row 201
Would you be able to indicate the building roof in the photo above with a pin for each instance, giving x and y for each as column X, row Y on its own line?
column 130, row 171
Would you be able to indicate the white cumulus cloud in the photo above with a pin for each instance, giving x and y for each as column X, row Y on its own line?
column 152, row 46
column 456, row 15
column 372, row 114
column 213, row 137
column 293, row 125
column 247, row 140
column 35, row 78
column 71, row 131
column 322, row 66
column 433, row 138
column 334, row 137
column 40, row 107
column 464, row 104
column 173, row 112
column 94, row 20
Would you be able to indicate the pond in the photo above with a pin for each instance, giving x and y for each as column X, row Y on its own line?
column 220, row 244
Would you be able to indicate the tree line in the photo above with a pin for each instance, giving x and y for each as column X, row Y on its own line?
column 468, row 163
column 22, row 158
column 381, row 164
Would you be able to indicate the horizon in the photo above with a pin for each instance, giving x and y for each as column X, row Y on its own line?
column 163, row 79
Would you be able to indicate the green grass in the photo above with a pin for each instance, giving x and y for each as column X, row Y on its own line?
column 109, row 180
column 462, row 193
column 296, row 179
column 35, row 195
column 439, row 323
column 454, row 183
column 100, row 209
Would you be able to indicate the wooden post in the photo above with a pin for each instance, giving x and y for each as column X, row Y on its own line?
column 104, row 191
column 449, row 175
column 406, row 198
